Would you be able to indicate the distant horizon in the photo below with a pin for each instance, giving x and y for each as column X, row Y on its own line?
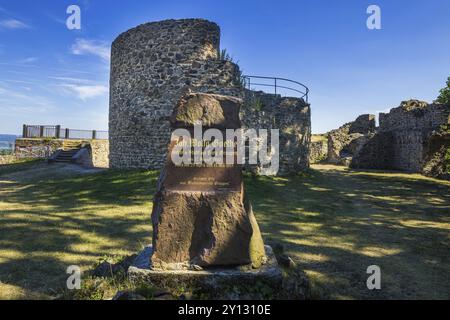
column 314, row 133
column 52, row 75
column 8, row 134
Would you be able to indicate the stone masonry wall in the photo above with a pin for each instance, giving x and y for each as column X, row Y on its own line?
column 404, row 135
column 36, row 148
column 291, row 116
column 152, row 66
column 437, row 160
column 44, row 148
column 100, row 153
column 318, row 148
column 347, row 140
column 93, row 154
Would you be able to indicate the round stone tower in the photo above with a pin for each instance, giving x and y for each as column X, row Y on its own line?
column 152, row 66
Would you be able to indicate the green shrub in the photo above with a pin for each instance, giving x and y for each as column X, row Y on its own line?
column 447, row 160
column 444, row 94
column 258, row 104
column 224, row 56
column 6, row 152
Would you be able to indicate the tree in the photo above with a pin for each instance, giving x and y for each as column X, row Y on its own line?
column 444, row 94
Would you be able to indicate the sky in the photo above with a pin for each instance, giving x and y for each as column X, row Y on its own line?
column 52, row 75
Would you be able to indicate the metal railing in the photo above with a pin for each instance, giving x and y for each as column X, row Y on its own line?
column 40, row 131
column 281, row 86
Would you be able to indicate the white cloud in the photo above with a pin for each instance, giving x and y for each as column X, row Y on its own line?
column 15, row 102
column 56, row 19
column 86, row 92
column 28, row 60
column 93, row 47
column 13, row 24
column 72, row 79
column 20, row 81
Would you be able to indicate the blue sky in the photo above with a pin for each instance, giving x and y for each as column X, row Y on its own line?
column 52, row 75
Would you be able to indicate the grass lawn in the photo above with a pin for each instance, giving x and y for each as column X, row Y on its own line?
column 319, row 137
column 335, row 222
column 19, row 164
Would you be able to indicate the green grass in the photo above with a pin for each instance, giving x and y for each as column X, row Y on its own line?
column 18, row 165
column 51, row 218
column 333, row 221
column 337, row 222
column 319, row 137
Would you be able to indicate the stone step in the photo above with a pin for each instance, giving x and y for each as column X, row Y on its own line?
column 71, row 145
column 66, row 155
column 71, row 149
column 70, row 155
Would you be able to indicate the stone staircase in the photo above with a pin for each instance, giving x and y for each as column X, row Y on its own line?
column 68, row 151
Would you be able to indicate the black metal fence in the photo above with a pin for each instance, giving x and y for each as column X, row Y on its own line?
column 40, row 131
column 282, row 86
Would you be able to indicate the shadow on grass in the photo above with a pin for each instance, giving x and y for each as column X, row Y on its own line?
column 21, row 164
column 335, row 222
column 338, row 222
column 47, row 224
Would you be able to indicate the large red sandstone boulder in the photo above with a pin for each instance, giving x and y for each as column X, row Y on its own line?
column 201, row 215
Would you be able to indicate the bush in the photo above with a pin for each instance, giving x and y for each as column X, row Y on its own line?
column 447, row 160
column 444, row 94
column 6, row 152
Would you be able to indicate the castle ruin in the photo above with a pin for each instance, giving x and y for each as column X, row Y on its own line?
column 414, row 137
column 154, row 64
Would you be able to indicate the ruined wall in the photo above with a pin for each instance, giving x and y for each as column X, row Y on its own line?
column 291, row 116
column 36, row 148
column 152, row 66
column 376, row 153
column 363, row 124
column 93, row 154
column 318, row 149
column 97, row 156
column 100, row 153
column 404, row 135
column 346, row 141
column 437, row 159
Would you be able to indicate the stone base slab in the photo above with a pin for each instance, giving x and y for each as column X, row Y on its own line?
column 216, row 283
